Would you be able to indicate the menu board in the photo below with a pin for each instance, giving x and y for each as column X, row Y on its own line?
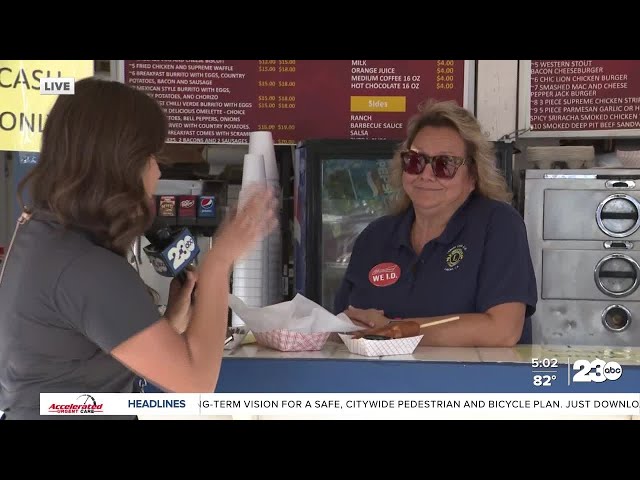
column 221, row 101
column 584, row 97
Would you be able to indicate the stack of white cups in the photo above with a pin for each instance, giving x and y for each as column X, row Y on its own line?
column 261, row 143
column 249, row 272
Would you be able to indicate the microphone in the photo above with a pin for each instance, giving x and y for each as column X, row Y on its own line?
column 171, row 253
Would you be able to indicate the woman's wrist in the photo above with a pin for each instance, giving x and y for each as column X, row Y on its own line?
column 217, row 261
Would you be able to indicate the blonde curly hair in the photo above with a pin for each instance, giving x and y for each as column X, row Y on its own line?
column 489, row 179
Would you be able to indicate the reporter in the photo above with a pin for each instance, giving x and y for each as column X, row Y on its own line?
column 76, row 317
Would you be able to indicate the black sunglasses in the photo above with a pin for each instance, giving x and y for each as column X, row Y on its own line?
column 443, row 166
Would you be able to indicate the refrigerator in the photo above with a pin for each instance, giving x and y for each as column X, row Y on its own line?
column 340, row 186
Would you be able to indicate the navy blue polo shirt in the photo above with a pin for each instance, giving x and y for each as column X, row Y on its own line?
column 481, row 259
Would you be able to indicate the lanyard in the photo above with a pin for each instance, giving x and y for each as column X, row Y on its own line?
column 24, row 218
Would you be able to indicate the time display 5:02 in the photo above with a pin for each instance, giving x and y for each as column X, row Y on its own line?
column 544, row 362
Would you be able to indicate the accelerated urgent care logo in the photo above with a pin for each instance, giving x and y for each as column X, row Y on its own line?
column 23, row 109
column 83, row 404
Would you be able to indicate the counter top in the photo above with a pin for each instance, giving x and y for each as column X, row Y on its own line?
column 521, row 354
column 254, row 368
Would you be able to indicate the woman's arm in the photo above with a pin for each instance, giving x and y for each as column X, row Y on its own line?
column 191, row 362
column 179, row 304
column 500, row 326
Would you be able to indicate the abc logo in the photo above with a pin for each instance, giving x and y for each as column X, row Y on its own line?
column 596, row 371
column 612, row 371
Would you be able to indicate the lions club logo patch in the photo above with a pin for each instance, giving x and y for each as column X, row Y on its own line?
column 384, row 274
column 455, row 255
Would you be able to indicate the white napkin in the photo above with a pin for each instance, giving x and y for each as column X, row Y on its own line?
column 297, row 315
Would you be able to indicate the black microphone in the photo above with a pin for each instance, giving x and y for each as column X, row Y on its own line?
column 171, row 252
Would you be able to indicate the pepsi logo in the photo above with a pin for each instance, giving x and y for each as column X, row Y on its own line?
column 187, row 203
column 206, row 202
column 384, row 274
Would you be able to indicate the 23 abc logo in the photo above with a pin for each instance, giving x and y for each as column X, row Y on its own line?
column 596, row 371
column 182, row 251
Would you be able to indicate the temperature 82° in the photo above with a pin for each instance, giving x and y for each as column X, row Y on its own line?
column 543, row 380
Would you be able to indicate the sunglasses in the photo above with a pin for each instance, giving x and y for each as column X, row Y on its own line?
column 443, row 166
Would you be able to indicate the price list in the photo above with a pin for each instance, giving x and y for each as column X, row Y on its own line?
column 278, row 83
column 221, row 101
column 584, row 95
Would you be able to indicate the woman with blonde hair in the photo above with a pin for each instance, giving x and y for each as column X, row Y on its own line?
column 452, row 245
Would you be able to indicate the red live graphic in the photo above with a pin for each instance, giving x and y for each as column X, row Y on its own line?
column 384, row 274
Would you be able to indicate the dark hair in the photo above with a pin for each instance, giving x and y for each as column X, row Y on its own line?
column 96, row 145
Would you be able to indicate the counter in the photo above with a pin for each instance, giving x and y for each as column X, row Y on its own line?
column 255, row 369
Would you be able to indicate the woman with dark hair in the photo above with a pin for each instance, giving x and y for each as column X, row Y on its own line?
column 75, row 316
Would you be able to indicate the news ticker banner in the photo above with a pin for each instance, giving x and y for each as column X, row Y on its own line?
column 221, row 101
column 342, row 405
column 586, row 98
column 23, row 108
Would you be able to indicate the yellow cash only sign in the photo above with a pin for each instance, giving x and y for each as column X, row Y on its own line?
column 23, row 110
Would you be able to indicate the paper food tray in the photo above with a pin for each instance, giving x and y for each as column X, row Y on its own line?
column 288, row 341
column 381, row 348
